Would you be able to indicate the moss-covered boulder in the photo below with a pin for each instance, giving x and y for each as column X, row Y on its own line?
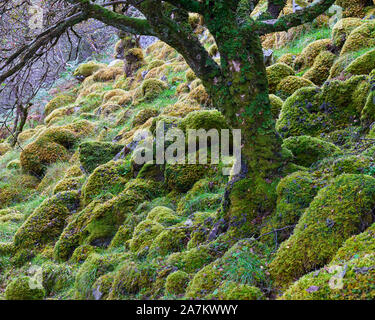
column 307, row 150
column 164, row 216
column 340, row 210
column 291, row 84
column 363, row 64
column 307, row 57
column 354, row 8
column 312, row 111
column 320, row 70
column 231, row 290
column 59, row 101
column 294, row 194
column 85, row 70
column 94, row 153
column 23, row 288
column 360, row 38
column 46, row 223
column 98, row 222
column 176, row 283
column 205, row 119
column 152, row 88
column 109, row 177
column 276, row 104
column 276, row 73
column 343, row 28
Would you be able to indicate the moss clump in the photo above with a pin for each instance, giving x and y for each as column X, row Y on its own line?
column 4, row 148
column 294, row 194
column 85, row 70
column 205, row 119
column 199, row 94
column 191, row 260
column 320, row 70
column 363, row 64
column 307, row 150
column 231, row 290
column 14, row 165
column 56, row 277
column 340, row 210
column 353, row 8
column 144, row 234
column 276, row 104
column 174, row 239
column 163, row 215
column 143, row 115
column 288, row 59
column 131, row 278
column 98, row 223
column 152, row 88
column 291, row 84
column 312, row 111
column 343, row 28
column 109, row 177
column 244, row 262
column 93, row 153
column 82, row 253
column 60, row 101
column 307, row 57
column 338, row 67
column 107, row 74
column 360, row 38
column 46, row 223
column 176, row 283
column 154, row 64
column 68, row 184
column 276, row 73
column 181, row 109
column 22, row 288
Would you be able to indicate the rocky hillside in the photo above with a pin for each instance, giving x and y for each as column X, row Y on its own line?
column 80, row 219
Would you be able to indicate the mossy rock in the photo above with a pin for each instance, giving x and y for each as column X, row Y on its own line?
column 143, row 115
column 294, row 194
column 340, row 210
column 131, row 278
column 360, row 38
column 288, row 59
column 291, row 84
column 22, row 288
column 93, row 153
column 60, row 101
column 176, row 283
column 98, row 222
column 109, row 177
column 343, row 28
column 320, row 70
column 4, row 148
column 276, row 104
column 245, row 261
column 164, row 216
column 108, row 74
column 205, row 119
column 56, row 277
column 363, row 64
column 85, row 70
column 313, row 111
column 46, row 223
column 307, row 57
column 307, row 150
column 143, row 236
column 152, row 88
column 354, row 8
column 276, row 73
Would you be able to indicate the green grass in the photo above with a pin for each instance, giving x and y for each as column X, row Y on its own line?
column 297, row 45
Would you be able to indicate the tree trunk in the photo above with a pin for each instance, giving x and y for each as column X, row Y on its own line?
column 242, row 96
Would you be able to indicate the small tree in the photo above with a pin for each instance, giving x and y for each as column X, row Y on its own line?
column 237, row 85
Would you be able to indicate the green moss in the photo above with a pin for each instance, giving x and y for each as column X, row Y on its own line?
column 109, row 177
column 92, row 153
column 20, row 289
column 176, row 283
column 340, row 210
column 291, row 84
column 294, row 194
column 14, row 164
column 244, row 262
column 68, row 184
column 276, row 73
column 82, row 253
column 144, row 235
column 56, row 277
column 60, row 101
column 276, row 104
column 360, row 38
column 363, row 64
column 205, row 119
column 307, row 57
column 307, row 150
column 164, row 216
column 152, row 88
column 143, row 115
column 343, row 28
column 231, row 290
column 87, row 69
column 312, row 111
column 320, row 70
column 46, row 223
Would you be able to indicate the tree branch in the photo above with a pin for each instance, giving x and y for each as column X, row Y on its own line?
column 188, row 5
column 286, row 22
